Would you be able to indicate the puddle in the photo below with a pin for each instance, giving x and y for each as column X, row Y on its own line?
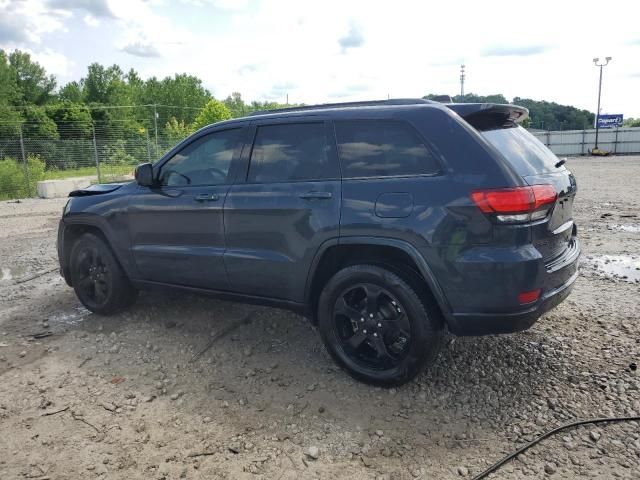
column 70, row 318
column 616, row 266
column 632, row 228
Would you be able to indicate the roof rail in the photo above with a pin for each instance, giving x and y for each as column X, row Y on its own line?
column 366, row 103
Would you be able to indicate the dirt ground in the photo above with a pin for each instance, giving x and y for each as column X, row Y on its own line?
column 122, row 397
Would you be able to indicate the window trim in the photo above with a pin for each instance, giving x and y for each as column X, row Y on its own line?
column 332, row 154
column 430, row 148
column 231, row 173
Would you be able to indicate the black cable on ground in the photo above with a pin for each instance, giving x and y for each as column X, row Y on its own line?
column 536, row 440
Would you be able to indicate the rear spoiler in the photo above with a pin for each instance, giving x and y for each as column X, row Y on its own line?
column 488, row 116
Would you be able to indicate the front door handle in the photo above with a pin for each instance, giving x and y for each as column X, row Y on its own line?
column 313, row 195
column 207, row 197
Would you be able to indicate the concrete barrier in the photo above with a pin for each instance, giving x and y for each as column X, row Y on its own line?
column 61, row 188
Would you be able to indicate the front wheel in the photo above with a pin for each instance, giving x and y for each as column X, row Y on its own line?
column 97, row 277
column 376, row 327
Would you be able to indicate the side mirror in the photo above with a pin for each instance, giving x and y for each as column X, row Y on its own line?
column 144, row 175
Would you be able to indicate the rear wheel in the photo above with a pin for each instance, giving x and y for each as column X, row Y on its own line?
column 376, row 326
column 98, row 280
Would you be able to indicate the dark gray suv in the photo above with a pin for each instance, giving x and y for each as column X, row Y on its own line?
column 384, row 222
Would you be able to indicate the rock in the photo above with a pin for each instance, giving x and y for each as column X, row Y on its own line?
column 321, row 409
column 379, row 433
column 550, row 468
column 176, row 396
column 109, row 406
column 463, row 471
column 247, row 351
column 22, row 354
column 313, row 452
column 594, row 435
column 149, row 398
column 115, row 348
column 206, row 420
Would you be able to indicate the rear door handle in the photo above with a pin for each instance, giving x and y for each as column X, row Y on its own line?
column 315, row 195
column 206, row 197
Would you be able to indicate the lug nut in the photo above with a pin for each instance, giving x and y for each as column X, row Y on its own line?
column 362, row 319
column 379, row 325
column 375, row 334
column 364, row 331
column 371, row 315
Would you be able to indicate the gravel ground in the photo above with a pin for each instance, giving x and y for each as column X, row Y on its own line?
column 122, row 397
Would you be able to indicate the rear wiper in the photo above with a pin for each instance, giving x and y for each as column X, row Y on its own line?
column 561, row 162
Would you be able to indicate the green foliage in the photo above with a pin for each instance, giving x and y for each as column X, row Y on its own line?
column 631, row 122
column 116, row 153
column 34, row 86
column 552, row 116
column 13, row 177
column 542, row 115
column 38, row 125
column 214, row 111
column 73, row 120
column 72, row 92
column 176, row 130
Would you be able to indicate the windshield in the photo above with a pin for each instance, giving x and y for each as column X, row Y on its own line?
column 524, row 151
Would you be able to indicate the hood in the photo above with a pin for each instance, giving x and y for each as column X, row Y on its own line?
column 96, row 189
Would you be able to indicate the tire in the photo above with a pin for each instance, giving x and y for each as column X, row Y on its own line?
column 97, row 278
column 376, row 327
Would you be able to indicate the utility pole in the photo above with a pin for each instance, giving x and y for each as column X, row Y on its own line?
column 462, row 77
column 597, row 63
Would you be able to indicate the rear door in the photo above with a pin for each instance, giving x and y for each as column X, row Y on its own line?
column 287, row 206
column 538, row 165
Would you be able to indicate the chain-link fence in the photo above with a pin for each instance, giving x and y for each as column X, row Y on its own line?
column 100, row 152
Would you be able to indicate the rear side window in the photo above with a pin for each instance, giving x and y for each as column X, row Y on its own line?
column 291, row 152
column 382, row 148
column 525, row 153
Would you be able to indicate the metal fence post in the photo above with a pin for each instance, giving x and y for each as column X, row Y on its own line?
column 95, row 149
column 584, row 133
column 148, row 146
column 615, row 142
column 25, row 163
column 548, row 139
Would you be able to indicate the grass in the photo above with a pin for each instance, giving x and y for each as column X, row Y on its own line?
column 105, row 172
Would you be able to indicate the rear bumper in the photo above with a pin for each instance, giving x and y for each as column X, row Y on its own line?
column 557, row 283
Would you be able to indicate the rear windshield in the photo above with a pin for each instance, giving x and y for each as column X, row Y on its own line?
column 526, row 153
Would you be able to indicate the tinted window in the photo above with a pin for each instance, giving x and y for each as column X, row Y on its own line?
column 203, row 162
column 524, row 151
column 290, row 152
column 382, row 149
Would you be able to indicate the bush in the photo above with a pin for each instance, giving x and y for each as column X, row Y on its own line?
column 13, row 182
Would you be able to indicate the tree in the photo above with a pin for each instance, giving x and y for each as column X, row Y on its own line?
column 632, row 122
column 10, row 118
column 214, row 111
column 72, row 92
column 35, row 87
column 176, row 130
column 236, row 105
column 73, row 120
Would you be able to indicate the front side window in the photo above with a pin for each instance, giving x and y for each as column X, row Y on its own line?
column 382, row 148
column 291, row 152
column 203, row 162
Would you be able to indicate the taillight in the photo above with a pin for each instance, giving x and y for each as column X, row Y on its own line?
column 529, row 297
column 516, row 205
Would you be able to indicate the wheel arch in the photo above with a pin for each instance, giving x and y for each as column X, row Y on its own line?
column 73, row 231
column 335, row 254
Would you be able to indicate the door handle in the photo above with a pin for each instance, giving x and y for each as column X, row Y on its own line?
column 206, row 197
column 313, row 195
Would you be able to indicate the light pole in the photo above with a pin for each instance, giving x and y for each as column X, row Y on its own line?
column 462, row 75
column 597, row 63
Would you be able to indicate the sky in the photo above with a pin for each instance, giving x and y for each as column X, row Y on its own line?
column 331, row 51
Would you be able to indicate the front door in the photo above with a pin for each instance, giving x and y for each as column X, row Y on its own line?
column 288, row 206
column 176, row 227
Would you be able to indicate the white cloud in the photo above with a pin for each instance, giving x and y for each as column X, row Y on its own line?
column 315, row 52
column 91, row 20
